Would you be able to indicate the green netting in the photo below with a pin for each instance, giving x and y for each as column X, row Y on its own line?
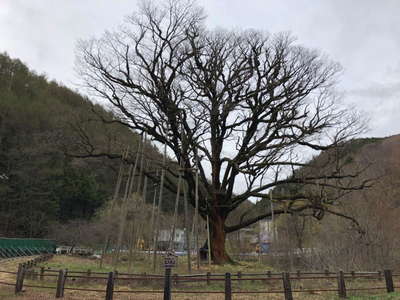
column 21, row 247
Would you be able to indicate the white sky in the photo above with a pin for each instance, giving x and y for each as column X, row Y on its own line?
column 363, row 35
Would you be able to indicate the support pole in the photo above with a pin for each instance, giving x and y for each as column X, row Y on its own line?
column 197, row 216
column 187, row 231
column 208, row 241
column 122, row 219
column 113, row 202
column 159, row 208
column 153, row 210
column 272, row 218
column 141, row 218
column 171, row 245
column 128, row 193
column 136, row 230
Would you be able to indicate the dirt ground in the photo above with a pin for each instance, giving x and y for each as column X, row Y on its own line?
column 11, row 265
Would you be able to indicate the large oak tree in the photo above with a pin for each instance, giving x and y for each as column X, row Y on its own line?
column 244, row 108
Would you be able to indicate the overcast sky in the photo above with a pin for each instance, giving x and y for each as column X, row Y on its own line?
column 362, row 35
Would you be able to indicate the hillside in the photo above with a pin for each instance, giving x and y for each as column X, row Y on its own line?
column 336, row 241
column 381, row 159
column 44, row 128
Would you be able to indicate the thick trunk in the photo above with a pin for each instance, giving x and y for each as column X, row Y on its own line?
column 218, row 235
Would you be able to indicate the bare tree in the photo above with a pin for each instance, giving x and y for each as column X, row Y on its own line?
column 249, row 104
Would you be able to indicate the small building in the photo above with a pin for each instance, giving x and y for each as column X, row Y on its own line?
column 268, row 231
column 266, row 235
column 74, row 250
column 164, row 239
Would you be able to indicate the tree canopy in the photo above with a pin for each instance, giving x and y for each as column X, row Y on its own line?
column 243, row 107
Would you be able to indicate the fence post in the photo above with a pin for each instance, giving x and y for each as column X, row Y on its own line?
column 228, row 286
column 19, row 283
column 287, row 286
column 389, row 281
column 379, row 275
column 110, row 286
column 60, row 284
column 208, row 275
column 167, row 284
column 341, row 285
column 35, row 275
column 239, row 277
column 88, row 274
column 21, row 280
column 327, row 272
column 41, row 274
column 28, row 274
column 64, row 280
column 144, row 282
column 176, row 280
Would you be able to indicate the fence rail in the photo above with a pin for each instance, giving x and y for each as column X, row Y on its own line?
column 171, row 283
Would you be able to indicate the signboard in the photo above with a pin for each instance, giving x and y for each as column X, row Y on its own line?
column 170, row 259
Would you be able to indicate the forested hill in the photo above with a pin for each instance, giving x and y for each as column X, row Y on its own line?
column 377, row 160
column 39, row 122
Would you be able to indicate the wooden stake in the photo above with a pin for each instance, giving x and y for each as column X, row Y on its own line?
column 389, row 281
column 197, row 215
column 159, row 208
column 110, row 286
column 175, row 218
column 228, row 286
column 131, row 244
column 187, row 232
column 62, row 276
column 128, row 193
column 341, row 285
column 208, row 241
column 287, row 286
column 151, row 234
column 113, row 202
column 122, row 218
column 134, row 235
column 141, row 206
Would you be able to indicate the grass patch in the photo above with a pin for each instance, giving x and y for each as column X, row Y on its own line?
column 391, row 296
column 144, row 264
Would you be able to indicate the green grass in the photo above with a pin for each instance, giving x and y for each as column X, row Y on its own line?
column 391, row 296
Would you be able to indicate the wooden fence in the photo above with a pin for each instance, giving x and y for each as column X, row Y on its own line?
column 171, row 284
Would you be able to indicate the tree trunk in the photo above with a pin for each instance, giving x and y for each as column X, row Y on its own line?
column 218, row 236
